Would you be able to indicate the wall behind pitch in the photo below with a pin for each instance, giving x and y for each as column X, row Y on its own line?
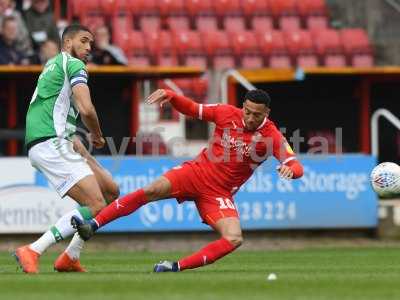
column 333, row 193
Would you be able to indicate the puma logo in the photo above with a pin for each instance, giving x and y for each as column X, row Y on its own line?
column 117, row 204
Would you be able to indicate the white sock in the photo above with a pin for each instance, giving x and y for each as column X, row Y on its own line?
column 43, row 242
column 75, row 247
column 61, row 230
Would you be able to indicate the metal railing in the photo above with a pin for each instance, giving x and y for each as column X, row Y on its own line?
column 239, row 78
column 375, row 127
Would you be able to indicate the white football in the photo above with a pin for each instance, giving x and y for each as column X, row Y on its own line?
column 385, row 179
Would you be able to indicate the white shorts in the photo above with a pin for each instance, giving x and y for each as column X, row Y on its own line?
column 59, row 163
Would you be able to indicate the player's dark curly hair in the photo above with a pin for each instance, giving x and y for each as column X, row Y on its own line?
column 259, row 96
column 71, row 30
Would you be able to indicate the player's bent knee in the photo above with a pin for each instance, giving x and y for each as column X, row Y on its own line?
column 112, row 193
column 235, row 239
column 96, row 205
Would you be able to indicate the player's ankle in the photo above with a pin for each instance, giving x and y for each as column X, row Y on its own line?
column 175, row 267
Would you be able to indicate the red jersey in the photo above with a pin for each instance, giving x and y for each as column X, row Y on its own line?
column 234, row 152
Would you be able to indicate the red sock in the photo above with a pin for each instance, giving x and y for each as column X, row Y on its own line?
column 121, row 207
column 207, row 255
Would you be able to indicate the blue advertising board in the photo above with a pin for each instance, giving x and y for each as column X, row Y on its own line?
column 334, row 192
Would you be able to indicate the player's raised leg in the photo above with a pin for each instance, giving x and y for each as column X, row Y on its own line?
column 88, row 194
column 231, row 238
column 159, row 189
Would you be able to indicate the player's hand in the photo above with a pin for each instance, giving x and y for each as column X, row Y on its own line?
column 285, row 172
column 96, row 140
column 159, row 96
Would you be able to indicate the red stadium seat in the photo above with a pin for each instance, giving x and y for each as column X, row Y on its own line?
column 219, row 49
column 357, row 47
column 121, row 27
column 162, row 48
column 286, row 14
column 203, row 12
column 231, row 15
column 314, row 13
column 88, row 7
column 273, row 48
column 190, row 48
column 301, row 48
column 246, row 49
column 174, row 13
column 137, row 51
column 329, row 47
column 262, row 23
column 146, row 14
column 92, row 21
column 257, row 14
column 149, row 23
column 114, row 7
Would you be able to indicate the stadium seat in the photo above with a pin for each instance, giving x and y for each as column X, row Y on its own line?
column 84, row 8
column 114, row 7
column 273, row 48
column 258, row 14
column 174, row 13
column 138, row 51
column 328, row 45
column 262, row 23
column 230, row 14
column 190, row 48
column 357, row 47
column 121, row 27
column 203, row 13
column 246, row 50
column 149, row 23
column 300, row 46
column 286, row 14
column 314, row 13
column 92, row 21
column 161, row 48
column 219, row 49
column 146, row 14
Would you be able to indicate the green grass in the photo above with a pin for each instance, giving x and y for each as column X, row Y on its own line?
column 349, row 273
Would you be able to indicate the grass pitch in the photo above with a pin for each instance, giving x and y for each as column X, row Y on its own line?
column 348, row 273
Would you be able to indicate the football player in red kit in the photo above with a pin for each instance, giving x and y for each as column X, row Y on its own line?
column 243, row 139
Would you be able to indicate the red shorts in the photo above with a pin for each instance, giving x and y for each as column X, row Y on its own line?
column 211, row 206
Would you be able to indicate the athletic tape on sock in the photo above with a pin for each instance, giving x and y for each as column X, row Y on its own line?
column 57, row 235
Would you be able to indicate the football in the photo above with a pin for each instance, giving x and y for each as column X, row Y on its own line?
column 385, row 179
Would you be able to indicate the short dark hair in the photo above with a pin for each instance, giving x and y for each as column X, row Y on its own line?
column 259, row 96
column 72, row 30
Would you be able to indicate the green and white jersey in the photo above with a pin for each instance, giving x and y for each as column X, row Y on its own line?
column 52, row 111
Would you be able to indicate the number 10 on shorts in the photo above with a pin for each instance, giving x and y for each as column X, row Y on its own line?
column 225, row 203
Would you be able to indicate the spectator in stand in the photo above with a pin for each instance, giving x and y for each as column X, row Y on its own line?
column 40, row 22
column 47, row 50
column 104, row 53
column 9, row 54
column 23, row 43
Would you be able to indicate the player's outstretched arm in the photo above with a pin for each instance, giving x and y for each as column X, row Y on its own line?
column 88, row 113
column 182, row 104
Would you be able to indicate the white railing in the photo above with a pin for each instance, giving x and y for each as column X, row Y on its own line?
column 239, row 78
column 375, row 127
